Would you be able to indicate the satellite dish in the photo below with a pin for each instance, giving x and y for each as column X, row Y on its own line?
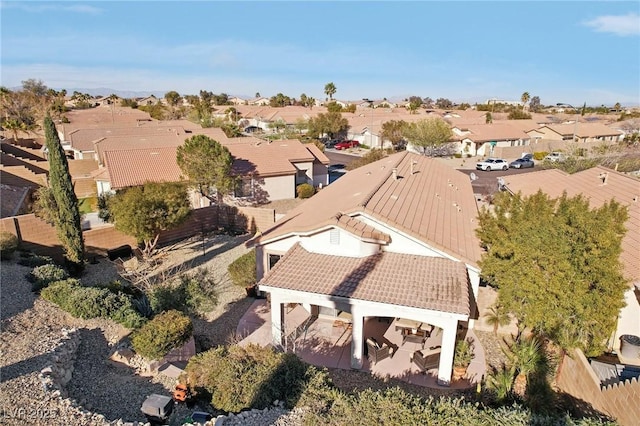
column 473, row 176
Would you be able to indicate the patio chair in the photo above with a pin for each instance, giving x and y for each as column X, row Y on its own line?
column 426, row 359
column 414, row 338
column 376, row 351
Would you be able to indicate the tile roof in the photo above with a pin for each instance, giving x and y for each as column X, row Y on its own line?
column 83, row 139
column 584, row 129
column 435, row 204
column 494, row 132
column 317, row 153
column 423, row 282
column 137, row 166
column 361, row 229
column 623, row 188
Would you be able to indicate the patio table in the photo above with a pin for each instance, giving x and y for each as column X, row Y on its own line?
column 403, row 323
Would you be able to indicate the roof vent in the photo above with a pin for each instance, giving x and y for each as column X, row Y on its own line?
column 395, row 174
column 413, row 164
column 603, row 177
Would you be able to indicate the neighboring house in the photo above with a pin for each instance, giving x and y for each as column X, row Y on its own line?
column 149, row 100
column 482, row 139
column 237, row 101
column 600, row 185
column 267, row 171
column 261, row 101
column 578, row 131
column 395, row 238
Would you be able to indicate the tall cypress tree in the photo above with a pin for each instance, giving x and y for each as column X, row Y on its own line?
column 66, row 214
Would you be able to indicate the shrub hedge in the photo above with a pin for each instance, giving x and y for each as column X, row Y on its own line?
column 34, row 260
column 243, row 270
column 42, row 276
column 239, row 377
column 236, row 378
column 8, row 245
column 163, row 333
column 92, row 302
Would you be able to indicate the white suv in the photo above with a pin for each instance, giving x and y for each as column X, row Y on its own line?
column 555, row 157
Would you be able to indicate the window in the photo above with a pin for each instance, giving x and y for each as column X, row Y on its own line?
column 244, row 188
column 273, row 259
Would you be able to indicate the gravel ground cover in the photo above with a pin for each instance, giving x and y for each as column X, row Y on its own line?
column 109, row 393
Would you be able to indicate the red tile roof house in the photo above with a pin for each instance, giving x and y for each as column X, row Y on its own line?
column 270, row 171
column 481, row 139
column 599, row 185
column 395, row 238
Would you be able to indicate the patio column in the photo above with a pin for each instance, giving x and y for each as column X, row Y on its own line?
column 447, row 352
column 277, row 320
column 357, row 337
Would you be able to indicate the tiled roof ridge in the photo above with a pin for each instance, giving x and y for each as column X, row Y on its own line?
column 359, row 228
column 373, row 192
column 139, row 149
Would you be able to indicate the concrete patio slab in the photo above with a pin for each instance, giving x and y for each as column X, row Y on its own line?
column 327, row 343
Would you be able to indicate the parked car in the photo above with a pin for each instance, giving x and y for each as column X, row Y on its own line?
column 331, row 143
column 492, row 164
column 347, row 144
column 522, row 163
column 555, row 157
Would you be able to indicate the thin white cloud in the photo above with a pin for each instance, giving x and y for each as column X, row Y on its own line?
column 622, row 25
column 41, row 8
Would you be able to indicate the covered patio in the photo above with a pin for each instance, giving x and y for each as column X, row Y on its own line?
column 325, row 341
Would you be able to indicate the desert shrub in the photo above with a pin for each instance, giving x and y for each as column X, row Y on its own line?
column 242, row 377
column 42, row 276
column 457, row 155
column 364, row 146
column 8, row 245
column 92, row 302
column 395, row 406
column 305, row 190
column 193, row 293
column 539, row 155
column 243, row 270
column 35, row 260
column 163, row 333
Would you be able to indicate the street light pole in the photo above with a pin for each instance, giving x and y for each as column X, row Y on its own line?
column 575, row 124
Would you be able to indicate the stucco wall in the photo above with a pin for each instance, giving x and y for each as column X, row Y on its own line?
column 278, row 187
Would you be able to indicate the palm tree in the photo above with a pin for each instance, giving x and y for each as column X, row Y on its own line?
column 617, row 106
column 525, row 98
column 330, row 90
column 526, row 356
column 14, row 126
column 497, row 316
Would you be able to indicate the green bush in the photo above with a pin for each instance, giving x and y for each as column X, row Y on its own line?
column 42, row 276
column 253, row 377
column 35, row 260
column 194, row 293
column 92, row 302
column 457, row 155
column 163, row 333
column 8, row 245
column 243, row 270
column 305, row 190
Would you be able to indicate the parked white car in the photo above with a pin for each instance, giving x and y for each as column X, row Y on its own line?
column 492, row 164
column 555, row 157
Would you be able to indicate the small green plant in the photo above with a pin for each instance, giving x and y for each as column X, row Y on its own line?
column 243, row 270
column 8, row 245
column 163, row 333
column 305, row 190
column 463, row 353
column 457, row 155
column 42, row 276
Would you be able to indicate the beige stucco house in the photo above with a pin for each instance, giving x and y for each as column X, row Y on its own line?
column 394, row 238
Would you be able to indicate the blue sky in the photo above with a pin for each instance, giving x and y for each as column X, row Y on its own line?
column 570, row 51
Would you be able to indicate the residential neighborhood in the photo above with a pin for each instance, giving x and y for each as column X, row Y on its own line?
column 379, row 271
